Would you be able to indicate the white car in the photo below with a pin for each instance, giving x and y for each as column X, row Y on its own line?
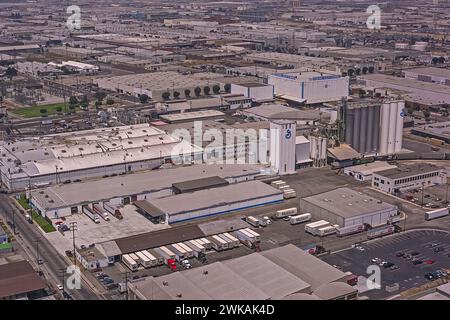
column 360, row 248
column 267, row 219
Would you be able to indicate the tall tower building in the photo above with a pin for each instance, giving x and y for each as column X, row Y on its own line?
column 282, row 146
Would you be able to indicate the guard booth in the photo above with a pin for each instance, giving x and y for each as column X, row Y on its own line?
column 149, row 211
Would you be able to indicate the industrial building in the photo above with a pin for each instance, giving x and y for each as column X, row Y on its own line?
column 409, row 177
column 257, row 91
column 364, row 172
column 66, row 199
column 429, row 74
column 310, row 87
column 281, row 273
column 372, row 129
column 268, row 112
column 302, row 152
column 347, row 207
column 283, row 146
column 439, row 131
column 156, row 84
column 39, row 161
column 214, row 201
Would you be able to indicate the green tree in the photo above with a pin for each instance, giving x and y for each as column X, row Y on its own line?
column 176, row 94
column 350, row 72
column 206, row 90
column 100, row 95
column 227, row 87
column 358, row 71
column 166, row 95
column 187, row 93
column 426, row 114
column 43, row 111
column 109, row 101
column 365, row 70
column 144, row 98
column 197, row 91
column 371, row 69
column 84, row 102
column 98, row 104
column 216, row 89
column 74, row 101
column 58, row 109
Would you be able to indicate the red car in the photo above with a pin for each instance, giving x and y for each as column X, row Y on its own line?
column 58, row 223
column 429, row 261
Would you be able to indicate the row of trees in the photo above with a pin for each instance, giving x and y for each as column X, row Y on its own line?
column 197, row 91
column 358, row 71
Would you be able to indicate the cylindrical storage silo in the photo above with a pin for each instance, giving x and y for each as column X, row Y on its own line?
column 399, row 127
column 356, row 129
column 370, row 130
column 384, row 133
column 376, row 129
column 392, row 127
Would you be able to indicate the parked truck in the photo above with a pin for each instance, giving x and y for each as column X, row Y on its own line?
column 158, row 256
column 285, row 212
column 233, row 239
column 180, row 253
column 91, row 214
column 245, row 238
column 254, row 233
column 218, row 243
column 100, row 211
column 253, row 221
column 153, row 260
column 129, row 262
column 314, row 226
column 345, row 231
column 300, row 218
column 289, row 194
column 438, row 213
column 206, row 243
column 380, row 231
column 144, row 260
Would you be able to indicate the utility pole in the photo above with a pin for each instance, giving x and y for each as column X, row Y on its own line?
column 63, row 273
column 73, row 228
column 14, row 221
column 37, row 252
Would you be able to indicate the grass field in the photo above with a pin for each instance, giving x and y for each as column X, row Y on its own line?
column 34, row 112
column 40, row 220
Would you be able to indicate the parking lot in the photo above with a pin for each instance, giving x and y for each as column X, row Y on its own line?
column 431, row 248
column 433, row 197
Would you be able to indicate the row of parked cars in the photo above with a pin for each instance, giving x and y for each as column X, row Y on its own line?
column 434, row 275
column 412, row 256
column 106, row 280
column 385, row 264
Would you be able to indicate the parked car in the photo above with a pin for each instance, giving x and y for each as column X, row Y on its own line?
column 438, row 249
column 417, row 262
column 388, row 265
column 60, row 287
column 360, row 248
column 429, row 261
column 415, row 253
column 287, row 218
column 375, row 260
column 399, row 254
column 430, row 276
column 394, row 267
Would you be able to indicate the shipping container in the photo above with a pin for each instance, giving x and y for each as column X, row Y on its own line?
column 285, row 212
column 300, row 218
column 245, row 238
column 167, row 253
column 314, row 226
column 277, row 184
column 129, row 262
column 430, row 215
column 289, row 194
column 134, row 257
column 180, row 253
column 206, row 243
column 217, row 243
column 344, row 231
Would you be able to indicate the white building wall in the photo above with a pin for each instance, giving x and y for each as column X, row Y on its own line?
column 282, row 146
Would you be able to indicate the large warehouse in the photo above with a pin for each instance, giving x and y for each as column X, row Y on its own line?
column 39, row 161
column 347, row 207
column 281, row 273
column 214, row 201
column 66, row 199
column 310, row 87
column 157, row 83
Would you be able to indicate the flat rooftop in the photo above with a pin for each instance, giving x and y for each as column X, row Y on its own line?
column 18, row 278
column 278, row 111
column 204, row 199
column 198, row 184
column 408, row 170
column 104, row 189
column 430, row 71
column 188, row 116
column 347, row 203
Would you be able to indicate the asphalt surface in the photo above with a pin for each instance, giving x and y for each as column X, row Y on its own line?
column 408, row 275
column 53, row 262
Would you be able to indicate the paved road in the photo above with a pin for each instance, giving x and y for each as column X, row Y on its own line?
column 53, row 262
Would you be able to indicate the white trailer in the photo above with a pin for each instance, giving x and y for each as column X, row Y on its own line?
column 227, row 240
column 154, row 261
column 380, row 232
column 289, row 194
column 285, row 212
column 234, row 240
column 91, row 214
column 277, row 184
column 180, row 253
column 254, row 234
column 325, row 231
column 253, row 221
column 344, row 231
column 314, row 226
column 438, row 213
column 244, row 237
column 157, row 255
column 217, row 243
column 143, row 259
column 129, row 262
column 166, row 253
column 189, row 251
column 100, row 211
column 195, row 248
column 206, row 243
column 134, row 257
column 300, row 218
